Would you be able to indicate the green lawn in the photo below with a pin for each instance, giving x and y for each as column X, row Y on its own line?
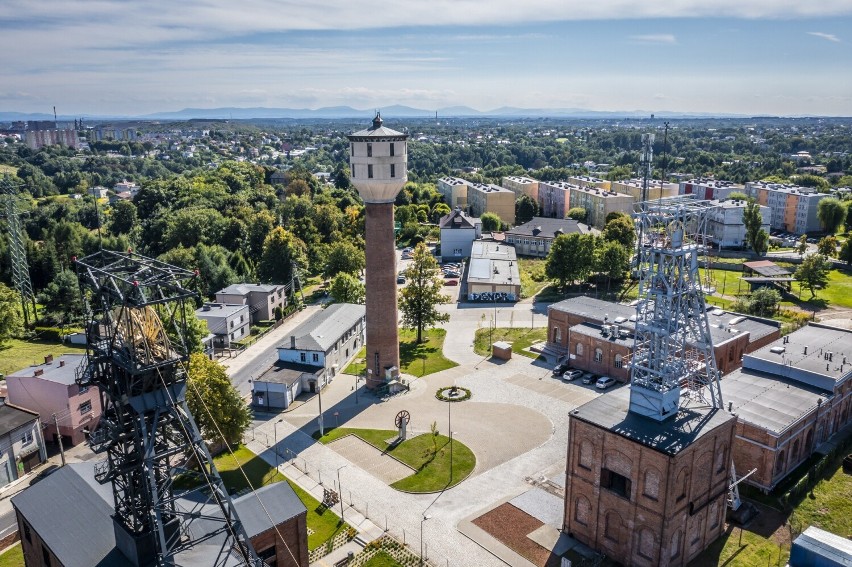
column 324, row 524
column 533, row 279
column 433, row 471
column 838, row 292
column 17, row 354
column 14, row 557
column 381, row 559
column 415, row 359
column 521, row 339
column 725, row 280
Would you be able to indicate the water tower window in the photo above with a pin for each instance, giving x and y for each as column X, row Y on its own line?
column 369, row 149
column 370, row 171
column 352, row 170
column 393, row 167
column 391, row 151
column 352, row 148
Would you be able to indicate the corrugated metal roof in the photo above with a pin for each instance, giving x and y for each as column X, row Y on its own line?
column 325, row 328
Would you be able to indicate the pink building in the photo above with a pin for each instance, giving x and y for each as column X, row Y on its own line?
column 50, row 389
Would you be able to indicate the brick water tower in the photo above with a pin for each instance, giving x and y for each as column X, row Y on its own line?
column 378, row 161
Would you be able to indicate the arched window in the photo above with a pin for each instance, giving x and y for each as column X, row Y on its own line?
column 619, row 361
column 647, row 545
column 721, row 452
column 809, row 440
column 674, row 546
column 557, row 335
column 598, row 355
column 587, row 455
column 794, row 455
column 681, row 483
column 651, row 484
column 779, row 463
column 582, row 510
column 579, row 349
column 613, row 526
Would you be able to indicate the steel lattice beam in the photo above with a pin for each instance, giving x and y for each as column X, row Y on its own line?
column 17, row 251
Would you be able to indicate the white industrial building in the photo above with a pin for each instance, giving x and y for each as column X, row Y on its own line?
column 725, row 228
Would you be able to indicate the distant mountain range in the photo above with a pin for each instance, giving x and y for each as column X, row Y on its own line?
column 394, row 111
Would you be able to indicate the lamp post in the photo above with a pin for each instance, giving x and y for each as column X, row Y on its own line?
column 425, row 517
column 319, row 393
column 450, row 429
column 340, row 490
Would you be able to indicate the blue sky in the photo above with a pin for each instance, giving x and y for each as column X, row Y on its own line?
column 128, row 57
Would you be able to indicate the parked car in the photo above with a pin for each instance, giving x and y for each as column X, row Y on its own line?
column 604, row 382
column 451, row 282
column 400, row 279
column 451, row 274
column 588, row 378
column 560, row 368
column 571, row 374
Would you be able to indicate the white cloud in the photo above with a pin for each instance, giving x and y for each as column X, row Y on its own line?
column 659, row 38
column 826, row 36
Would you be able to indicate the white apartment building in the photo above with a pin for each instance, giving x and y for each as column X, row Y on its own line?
column 521, row 186
column 227, row 322
column 454, row 191
column 709, row 189
column 725, row 227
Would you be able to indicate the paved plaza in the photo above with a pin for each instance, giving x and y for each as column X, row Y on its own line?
column 365, row 456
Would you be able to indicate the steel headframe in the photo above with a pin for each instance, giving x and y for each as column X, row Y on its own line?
column 18, row 252
column 137, row 308
column 673, row 349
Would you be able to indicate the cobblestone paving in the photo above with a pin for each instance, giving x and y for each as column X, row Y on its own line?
column 362, row 454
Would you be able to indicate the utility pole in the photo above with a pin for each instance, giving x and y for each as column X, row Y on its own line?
column 319, row 392
column 59, row 439
column 340, row 490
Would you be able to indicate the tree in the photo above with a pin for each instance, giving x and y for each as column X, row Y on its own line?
column 612, row 260
column 61, row 298
column 831, row 214
column 622, row 230
column 217, row 407
column 577, row 213
column 346, row 288
column 344, row 257
column 764, row 302
column 737, row 196
column 440, row 210
column 525, row 209
column 418, row 299
column 848, row 220
column 803, row 245
column 756, row 237
column 827, row 246
column 490, row 222
column 123, row 217
column 11, row 317
column 571, row 258
column 812, row 273
column 846, row 252
column 281, row 250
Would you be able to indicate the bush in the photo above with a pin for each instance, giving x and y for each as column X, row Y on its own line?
column 55, row 333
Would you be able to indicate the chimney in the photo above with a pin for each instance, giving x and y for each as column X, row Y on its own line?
column 292, row 341
column 48, row 359
column 38, row 372
column 61, row 363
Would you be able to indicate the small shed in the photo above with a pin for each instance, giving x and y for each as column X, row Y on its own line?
column 501, row 350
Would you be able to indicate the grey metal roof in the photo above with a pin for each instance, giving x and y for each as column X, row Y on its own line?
column 376, row 130
column 493, row 262
column 217, row 310
column 548, row 227
column 245, row 288
column 325, row 328
column 592, row 330
column 770, row 402
column 458, row 219
column 610, row 411
column 71, row 513
column 757, row 327
column 61, row 370
column 13, row 417
column 279, row 501
column 815, row 546
column 594, row 309
column 767, row 268
column 287, row 373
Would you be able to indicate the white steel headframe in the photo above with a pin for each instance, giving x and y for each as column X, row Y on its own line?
column 673, row 349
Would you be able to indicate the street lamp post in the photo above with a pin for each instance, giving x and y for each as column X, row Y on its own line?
column 340, row 490
column 319, row 392
column 275, row 445
column 450, row 429
column 425, row 517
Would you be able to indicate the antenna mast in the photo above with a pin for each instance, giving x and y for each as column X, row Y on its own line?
column 18, row 252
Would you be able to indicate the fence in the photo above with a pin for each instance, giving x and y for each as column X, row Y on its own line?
column 327, row 478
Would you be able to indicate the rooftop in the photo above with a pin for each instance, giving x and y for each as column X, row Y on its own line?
column 245, row 288
column 548, row 227
column 453, row 181
column 767, row 268
column 61, row 369
column 287, row 373
column 377, row 130
column 13, row 417
column 219, row 310
column 520, row 179
column 595, row 309
column 458, row 219
column 767, row 401
column 325, row 327
column 493, row 262
column 610, row 411
column 756, row 327
column 596, row 331
column 490, row 188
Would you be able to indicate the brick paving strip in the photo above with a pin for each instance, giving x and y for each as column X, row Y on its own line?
column 379, row 464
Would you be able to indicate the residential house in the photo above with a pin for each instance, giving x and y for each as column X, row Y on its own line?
column 21, row 441
column 50, row 389
column 458, row 231
column 98, row 192
column 535, row 237
column 228, row 322
column 261, row 299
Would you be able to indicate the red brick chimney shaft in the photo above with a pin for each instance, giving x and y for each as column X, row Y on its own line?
column 381, row 302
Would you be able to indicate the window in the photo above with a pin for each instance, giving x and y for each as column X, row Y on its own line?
column 615, row 482
column 391, row 152
column 652, row 484
column 82, row 389
column 579, row 349
column 272, row 299
column 619, row 361
column 352, row 149
column 302, row 357
column 352, row 170
column 315, row 357
column 598, row 355
column 369, row 149
column 582, row 510
column 232, row 324
column 393, row 170
column 587, row 455
column 86, row 407
column 370, row 171
column 27, row 438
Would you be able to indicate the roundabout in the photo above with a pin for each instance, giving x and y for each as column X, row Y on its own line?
column 453, row 394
